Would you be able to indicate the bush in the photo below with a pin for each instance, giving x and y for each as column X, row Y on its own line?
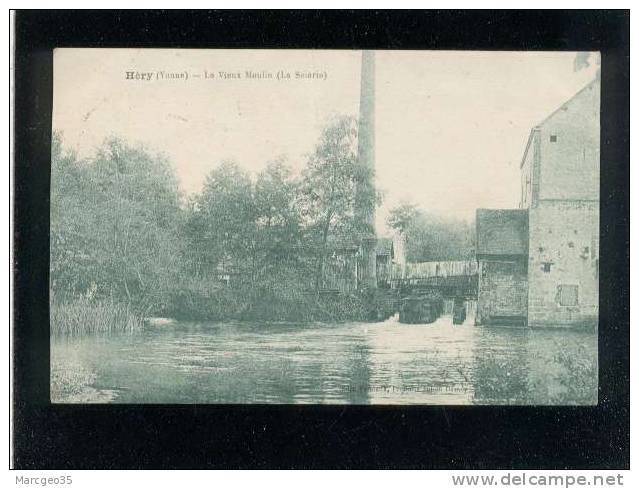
column 198, row 300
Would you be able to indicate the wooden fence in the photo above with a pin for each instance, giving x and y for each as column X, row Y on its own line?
column 435, row 269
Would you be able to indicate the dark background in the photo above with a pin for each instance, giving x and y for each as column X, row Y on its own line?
column 257, row 436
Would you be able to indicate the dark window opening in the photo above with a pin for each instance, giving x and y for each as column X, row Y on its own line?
column 553, row 138
column 546, row 266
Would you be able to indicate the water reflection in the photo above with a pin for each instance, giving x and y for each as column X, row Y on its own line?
column 356, row 363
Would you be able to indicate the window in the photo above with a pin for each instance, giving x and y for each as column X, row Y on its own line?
column 553, row 138
column 546, row 266
column 568, row 295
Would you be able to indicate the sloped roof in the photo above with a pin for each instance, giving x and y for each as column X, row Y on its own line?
column 595, row 83
column 502, row 232
column 384, row 247
column 589, row 86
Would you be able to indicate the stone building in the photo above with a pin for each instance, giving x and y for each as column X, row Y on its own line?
column 502, row 256
column 560, row 190
column 560, row 198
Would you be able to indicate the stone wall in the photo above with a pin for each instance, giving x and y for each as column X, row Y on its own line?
column 503, row 290
column 569, row 149
column 563, row 263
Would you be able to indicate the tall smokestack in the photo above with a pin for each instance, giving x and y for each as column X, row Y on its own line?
column 365, row 192
column 366, row 145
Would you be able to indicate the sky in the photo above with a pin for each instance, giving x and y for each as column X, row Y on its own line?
column 451, row 126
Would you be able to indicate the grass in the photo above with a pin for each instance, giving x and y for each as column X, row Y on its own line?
column 87, row 316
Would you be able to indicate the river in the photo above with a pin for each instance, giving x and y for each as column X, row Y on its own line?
column 356, row 363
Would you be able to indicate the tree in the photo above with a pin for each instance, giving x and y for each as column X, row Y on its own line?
column 138, row 203
column 277, row 218
column 329, row 188
column 71, row 235
column 275, row 199
column 431, row 237
column 113, row 220
column 402, row 217
column 222, row 220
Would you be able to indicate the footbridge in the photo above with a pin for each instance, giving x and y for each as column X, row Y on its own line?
column 450, row 279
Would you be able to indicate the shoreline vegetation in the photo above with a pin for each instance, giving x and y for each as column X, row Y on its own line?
column 250, row 304
column 80, row 316
column 84, row 316
column 127, row 244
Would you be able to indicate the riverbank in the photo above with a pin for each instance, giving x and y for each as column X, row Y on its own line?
column 81, row 315
column 73, row 382
column 253, row 305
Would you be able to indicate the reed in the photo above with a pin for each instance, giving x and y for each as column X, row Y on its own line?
column 82, row 315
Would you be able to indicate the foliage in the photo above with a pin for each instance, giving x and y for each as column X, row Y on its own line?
column 431, row 237
column 331, row 191
column 122, row 233
column 278, row 226
column 113, row 220
column 403, row 217
column 221, row 220
column 201, row 302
